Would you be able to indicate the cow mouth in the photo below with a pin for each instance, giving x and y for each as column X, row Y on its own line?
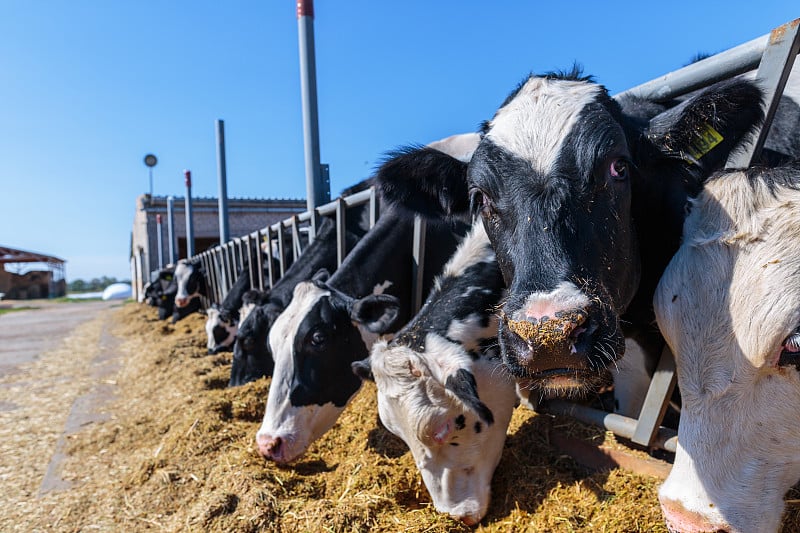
column 560, row 381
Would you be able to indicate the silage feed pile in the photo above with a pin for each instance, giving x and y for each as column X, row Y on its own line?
column 179, row 455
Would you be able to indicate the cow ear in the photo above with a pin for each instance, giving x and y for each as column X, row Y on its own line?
column 702, row 131
column 321, row 276
column 363, row 369
column 377, row 312
column 462, row 384
column 424, row 181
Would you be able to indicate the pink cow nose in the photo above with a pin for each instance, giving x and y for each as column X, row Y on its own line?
column 681, row 520
column 470, row 519
column 270, row 447
column 181, row 302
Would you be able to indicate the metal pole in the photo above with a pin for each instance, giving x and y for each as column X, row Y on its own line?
column 151, row 182
column 173, row 250
column 189, row 229
column 224, row 231
column 160, row 244
column 317, row 193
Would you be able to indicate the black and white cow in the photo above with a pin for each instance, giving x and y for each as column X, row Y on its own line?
column 190, row 281
column 331, row 323
column 583, row 199
column 252, row 358
column 440, row 384
column 729, row 306
column 222, row 323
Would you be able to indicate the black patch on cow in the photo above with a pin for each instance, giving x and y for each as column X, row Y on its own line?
column 252, row 357
column 325, row 345
column 424, row 180
column 462, row 384
column 461, row 422
column 220, row 333
column 478, row 427
column 477, row 290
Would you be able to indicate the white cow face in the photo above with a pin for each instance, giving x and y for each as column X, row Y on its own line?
column 452, row 412
column 221, row 330
column 729, row 307
column 189, row 280
column 313, row 343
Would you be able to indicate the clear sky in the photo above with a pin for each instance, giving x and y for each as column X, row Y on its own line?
column 88, row 87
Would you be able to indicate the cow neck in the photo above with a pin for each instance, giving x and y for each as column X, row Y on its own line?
column 384, row 254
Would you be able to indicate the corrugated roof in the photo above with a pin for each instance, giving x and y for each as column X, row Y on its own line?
column 13, row 255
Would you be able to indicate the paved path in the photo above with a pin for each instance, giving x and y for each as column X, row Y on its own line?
column 26, row 335
column 56, row 368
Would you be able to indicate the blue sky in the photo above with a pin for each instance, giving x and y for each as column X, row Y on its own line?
column 89, row 87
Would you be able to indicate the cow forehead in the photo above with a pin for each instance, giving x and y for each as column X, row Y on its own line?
column 533, row 125
column 284, row 330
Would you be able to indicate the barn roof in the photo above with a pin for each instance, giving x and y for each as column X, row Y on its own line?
column 12, row 255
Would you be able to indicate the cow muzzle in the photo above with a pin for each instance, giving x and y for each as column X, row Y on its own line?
column 561, row 352
column 680, row 520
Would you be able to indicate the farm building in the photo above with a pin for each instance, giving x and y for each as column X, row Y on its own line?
column 245, row 215
column 26, row 275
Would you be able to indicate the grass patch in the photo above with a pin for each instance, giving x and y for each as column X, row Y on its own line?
column 69, row 300
column 4, row 310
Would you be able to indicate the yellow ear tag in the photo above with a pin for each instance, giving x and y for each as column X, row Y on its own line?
column 703, row 141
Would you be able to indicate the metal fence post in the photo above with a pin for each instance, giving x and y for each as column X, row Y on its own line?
column 189, row 220
column 159, row 242
column 173, row 250
column 222, row 176
column 316, row 192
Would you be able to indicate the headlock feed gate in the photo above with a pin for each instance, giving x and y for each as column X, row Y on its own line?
column 772, row 55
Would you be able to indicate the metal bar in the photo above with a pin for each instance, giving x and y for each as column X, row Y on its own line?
column 260, row 262
column 222, row 178
column 724, row 65
column 159, row 242
column 173, row 250
column 281, row 251
column 341, row 242
column 773, row 71
column 221, row 271
column 268, row 252
column 239, row 256
column 189, row 218
column 623, row 426
column 231, row 264
column 316, row 192
column 250, row 265
column 296, row 245
column 213, row 274
column 657, row 399
column 418, row 265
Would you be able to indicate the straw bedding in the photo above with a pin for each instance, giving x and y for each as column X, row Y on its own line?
column 177, row 454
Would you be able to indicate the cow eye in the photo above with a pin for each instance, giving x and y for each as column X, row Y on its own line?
column 480, row 200
column 618, row 169
column 248, row 343
column 790, row 351
column 318, row 338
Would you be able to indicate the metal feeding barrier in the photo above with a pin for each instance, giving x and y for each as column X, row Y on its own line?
column 772, row 55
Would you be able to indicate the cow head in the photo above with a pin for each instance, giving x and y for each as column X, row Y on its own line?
column 567, row 181
column 313, row 342
column 452, row 411
column 729, row 307
column 252, row 358
column 190, row 281
column 221, row 330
